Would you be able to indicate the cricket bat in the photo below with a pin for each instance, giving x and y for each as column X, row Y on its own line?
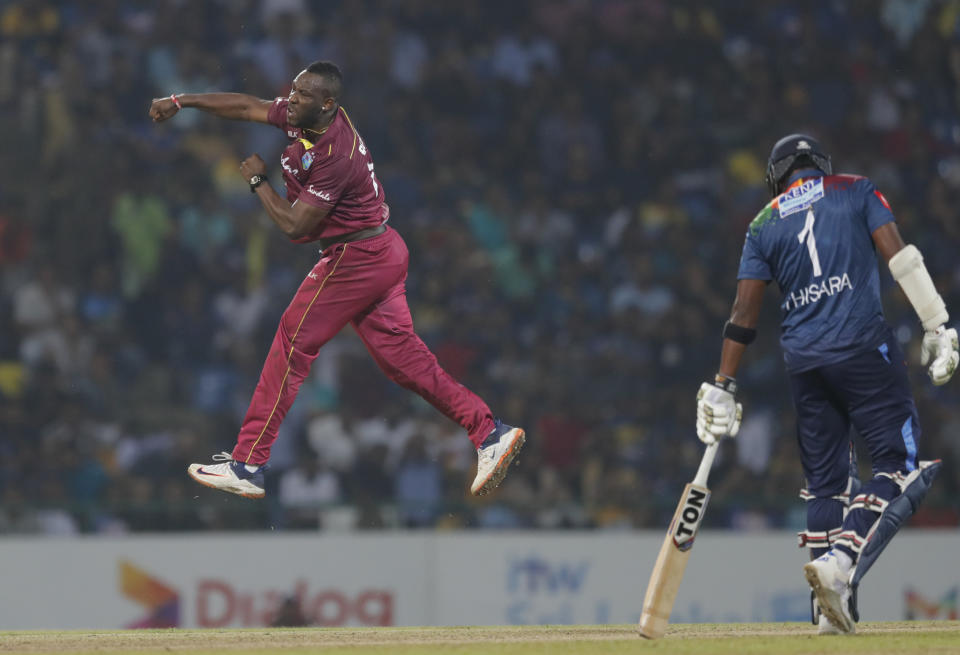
column 675, row 551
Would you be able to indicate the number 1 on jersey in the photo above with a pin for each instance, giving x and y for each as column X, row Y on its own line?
column 807, row 233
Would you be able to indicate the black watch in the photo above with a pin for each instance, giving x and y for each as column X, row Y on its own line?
column 256, row 181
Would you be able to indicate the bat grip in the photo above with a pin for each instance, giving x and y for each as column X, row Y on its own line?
column 701, row 478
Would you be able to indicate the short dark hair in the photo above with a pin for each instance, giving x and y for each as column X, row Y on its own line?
column 331, row 72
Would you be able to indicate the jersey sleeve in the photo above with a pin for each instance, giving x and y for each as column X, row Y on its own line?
column 753, row 265
column 277, row 114
column 326, row 183
column 876, row 209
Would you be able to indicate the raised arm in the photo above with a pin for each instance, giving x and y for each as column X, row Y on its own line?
column 234, row 106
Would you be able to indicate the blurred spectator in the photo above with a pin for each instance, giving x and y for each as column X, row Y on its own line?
column 371, row 487
column 568, row 175
column 41, row 307
column 305, row 490
column 418, row 486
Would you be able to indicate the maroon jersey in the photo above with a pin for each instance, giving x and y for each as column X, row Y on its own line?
column 333, row 170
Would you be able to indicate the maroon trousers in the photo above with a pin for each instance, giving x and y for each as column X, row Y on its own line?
column 361, row 283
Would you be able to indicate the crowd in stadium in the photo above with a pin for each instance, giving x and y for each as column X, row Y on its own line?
column 573, row 179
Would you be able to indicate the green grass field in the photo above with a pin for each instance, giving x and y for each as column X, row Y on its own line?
column 902, row 638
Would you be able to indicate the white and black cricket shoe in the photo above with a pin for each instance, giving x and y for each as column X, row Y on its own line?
column 495, row 455
column 229, row 476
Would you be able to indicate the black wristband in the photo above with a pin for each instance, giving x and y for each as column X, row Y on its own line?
column 739, row 333
column 726, row 383
column 256, row 181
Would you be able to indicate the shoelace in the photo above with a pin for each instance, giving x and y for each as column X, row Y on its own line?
column 228, row 457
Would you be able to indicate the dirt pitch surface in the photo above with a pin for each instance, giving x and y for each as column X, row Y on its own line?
column 902, row 638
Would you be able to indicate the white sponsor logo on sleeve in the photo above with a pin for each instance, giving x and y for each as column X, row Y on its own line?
column 323, row 195
column 287, row 167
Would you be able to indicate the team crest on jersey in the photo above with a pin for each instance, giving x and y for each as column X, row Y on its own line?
column 306, row 160
column 801, row 197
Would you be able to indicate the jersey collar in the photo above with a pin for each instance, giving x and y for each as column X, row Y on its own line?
column 802, row 174
column 311, row 138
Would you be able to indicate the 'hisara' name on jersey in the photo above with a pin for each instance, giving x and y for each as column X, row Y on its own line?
column 815, row 240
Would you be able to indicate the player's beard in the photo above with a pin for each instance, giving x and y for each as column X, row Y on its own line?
column 304, row 120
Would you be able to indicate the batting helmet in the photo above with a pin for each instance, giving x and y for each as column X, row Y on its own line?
column 790, row 151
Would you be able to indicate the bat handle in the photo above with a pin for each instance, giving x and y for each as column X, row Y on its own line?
column 701, row 479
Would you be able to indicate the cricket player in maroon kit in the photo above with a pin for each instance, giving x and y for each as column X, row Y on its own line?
column 333, row 198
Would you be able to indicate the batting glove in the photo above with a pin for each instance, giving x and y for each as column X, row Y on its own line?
column 940, row 346
column 718, row 412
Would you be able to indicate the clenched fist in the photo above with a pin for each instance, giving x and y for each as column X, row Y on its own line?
column 163, row 108
column 253, row 165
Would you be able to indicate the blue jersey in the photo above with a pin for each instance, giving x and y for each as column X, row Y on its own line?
column 815, row 241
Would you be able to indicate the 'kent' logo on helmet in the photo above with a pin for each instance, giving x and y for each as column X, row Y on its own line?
column 803, row 145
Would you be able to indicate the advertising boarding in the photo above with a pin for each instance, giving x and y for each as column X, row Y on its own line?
column 425, row 579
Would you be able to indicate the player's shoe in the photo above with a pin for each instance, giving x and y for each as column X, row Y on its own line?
column 824, row 627
column 229, row 476
column 832, row 588
column 495, row 455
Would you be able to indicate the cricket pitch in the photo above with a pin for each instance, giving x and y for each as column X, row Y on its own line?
column 902, row 638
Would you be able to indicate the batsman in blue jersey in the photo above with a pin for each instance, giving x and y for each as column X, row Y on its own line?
column 818, row 240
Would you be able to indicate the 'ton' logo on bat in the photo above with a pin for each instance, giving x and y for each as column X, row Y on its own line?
column 687, row 522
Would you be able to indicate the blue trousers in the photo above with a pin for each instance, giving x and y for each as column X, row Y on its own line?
column 871, row 393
